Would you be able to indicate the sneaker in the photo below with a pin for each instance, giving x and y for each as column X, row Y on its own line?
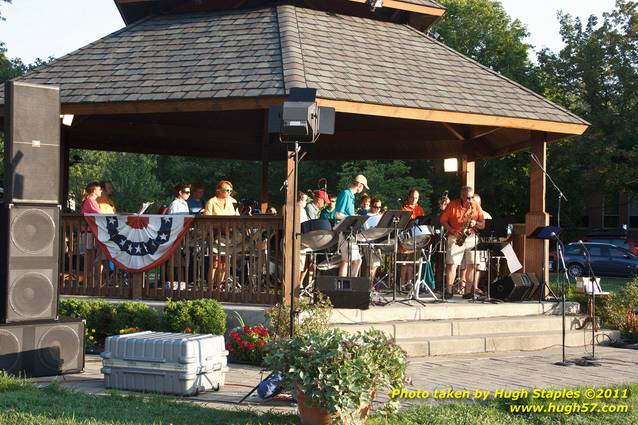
column 449, row 295
column 467, row 296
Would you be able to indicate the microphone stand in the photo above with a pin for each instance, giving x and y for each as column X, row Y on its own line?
column 564, row 362
column 590, row 361
column 561, row 196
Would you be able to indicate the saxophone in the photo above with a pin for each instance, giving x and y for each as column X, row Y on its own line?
column 467, row 230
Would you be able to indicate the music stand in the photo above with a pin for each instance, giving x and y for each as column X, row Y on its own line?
column 441, row 248
column 495, row 229
column 349, row 227
column 395, row 220
column 551, row 233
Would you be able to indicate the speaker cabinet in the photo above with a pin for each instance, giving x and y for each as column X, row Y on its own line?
column 346, row 292
column 42, row 348
column 29, row 265
column 516, row 287
column 32, row 143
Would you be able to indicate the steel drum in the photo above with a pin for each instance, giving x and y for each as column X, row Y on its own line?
column 372, row 235
column 329, row 264
column 418, row 237
column 317, row 235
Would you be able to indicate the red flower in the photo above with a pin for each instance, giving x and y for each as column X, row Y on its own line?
column 234, row 334
column 251, row 347
column 229, row 345
column 246, row 328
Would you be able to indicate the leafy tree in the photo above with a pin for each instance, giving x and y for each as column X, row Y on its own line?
column 388, row 180
column 596, row 76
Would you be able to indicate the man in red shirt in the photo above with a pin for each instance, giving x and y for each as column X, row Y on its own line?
column 412, row 204
column 460, row 214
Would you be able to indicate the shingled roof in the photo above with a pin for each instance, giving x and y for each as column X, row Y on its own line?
column 264, row 52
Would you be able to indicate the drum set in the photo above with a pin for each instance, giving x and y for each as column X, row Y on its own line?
column 389, row 242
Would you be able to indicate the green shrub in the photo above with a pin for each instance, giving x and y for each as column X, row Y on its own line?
column 197, row 316
column 311, row 317
column 135, row 315
column 104, row 318
column 619, row 310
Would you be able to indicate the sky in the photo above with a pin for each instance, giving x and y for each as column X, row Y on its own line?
column 42, row 28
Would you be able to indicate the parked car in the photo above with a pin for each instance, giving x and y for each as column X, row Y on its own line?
column 606, row 260
column 616, row 237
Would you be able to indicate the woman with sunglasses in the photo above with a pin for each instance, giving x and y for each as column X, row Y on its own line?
column 222, row 203
column 180, row 204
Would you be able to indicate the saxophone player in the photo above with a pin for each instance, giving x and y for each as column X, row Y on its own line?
column 460, row 219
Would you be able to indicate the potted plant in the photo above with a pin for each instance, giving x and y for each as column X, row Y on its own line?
column 335, row 375
column 247, row 344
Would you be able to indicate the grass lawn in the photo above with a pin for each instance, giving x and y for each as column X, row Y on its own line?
column 22, row 403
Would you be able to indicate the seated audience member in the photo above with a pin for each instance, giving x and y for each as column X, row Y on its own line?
column 107, row 206
column 179, row 204
column 195, row 201
column 222, row 203
column 91, row 193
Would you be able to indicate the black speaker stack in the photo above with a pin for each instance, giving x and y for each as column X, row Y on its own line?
column 346, row 292
column 34, row 341
column 516, row 287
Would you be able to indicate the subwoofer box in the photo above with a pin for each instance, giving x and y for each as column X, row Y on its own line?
column 516, row 287
column 345, row 292
column 43, row 348
column 29, row 262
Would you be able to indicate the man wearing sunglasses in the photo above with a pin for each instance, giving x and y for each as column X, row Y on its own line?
column 462, row 214
column 180, row 204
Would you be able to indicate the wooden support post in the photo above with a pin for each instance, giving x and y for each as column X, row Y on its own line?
column 291, row 244
column 137, row 283
column 264, row 183
column 64, row 170
column 537, row 251
column 265, row 137
column 468, row 173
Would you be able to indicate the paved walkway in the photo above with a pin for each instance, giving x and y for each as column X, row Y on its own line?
column 509, row 371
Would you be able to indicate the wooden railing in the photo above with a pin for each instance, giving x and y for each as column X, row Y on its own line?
column 235, row 259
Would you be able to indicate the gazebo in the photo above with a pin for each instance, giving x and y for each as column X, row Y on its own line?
column 196, row 77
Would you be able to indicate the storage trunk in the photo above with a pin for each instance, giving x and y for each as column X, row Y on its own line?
column 162, row 362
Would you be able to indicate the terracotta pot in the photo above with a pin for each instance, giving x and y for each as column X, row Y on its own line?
column 316, row 416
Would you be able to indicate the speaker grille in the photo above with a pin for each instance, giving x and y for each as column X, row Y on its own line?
column 59, row 347
column 33, row 231
column 31, row 294
column 9, row 351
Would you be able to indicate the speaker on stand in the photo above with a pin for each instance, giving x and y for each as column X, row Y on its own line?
column 33, row 340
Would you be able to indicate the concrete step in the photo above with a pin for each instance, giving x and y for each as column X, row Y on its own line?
column 454, row 309
column 467, row 327
column 490, row 343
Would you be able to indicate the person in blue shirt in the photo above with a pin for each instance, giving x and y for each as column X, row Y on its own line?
column 195, row 202
column 344, row 208
column 328, row 212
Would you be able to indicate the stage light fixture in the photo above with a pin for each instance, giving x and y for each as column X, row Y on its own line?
column 67, row 119
column 301, row 119
column 451, row 165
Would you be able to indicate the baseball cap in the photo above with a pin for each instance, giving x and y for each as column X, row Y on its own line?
column 362, row 179
column 321, row 195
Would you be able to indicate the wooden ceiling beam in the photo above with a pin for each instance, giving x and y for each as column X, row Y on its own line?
column 453, row 117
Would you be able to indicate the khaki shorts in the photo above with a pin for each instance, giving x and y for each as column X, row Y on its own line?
column 459, row 254
column 355, row 255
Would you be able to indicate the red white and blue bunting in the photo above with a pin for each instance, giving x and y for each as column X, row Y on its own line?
column 137, row 243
